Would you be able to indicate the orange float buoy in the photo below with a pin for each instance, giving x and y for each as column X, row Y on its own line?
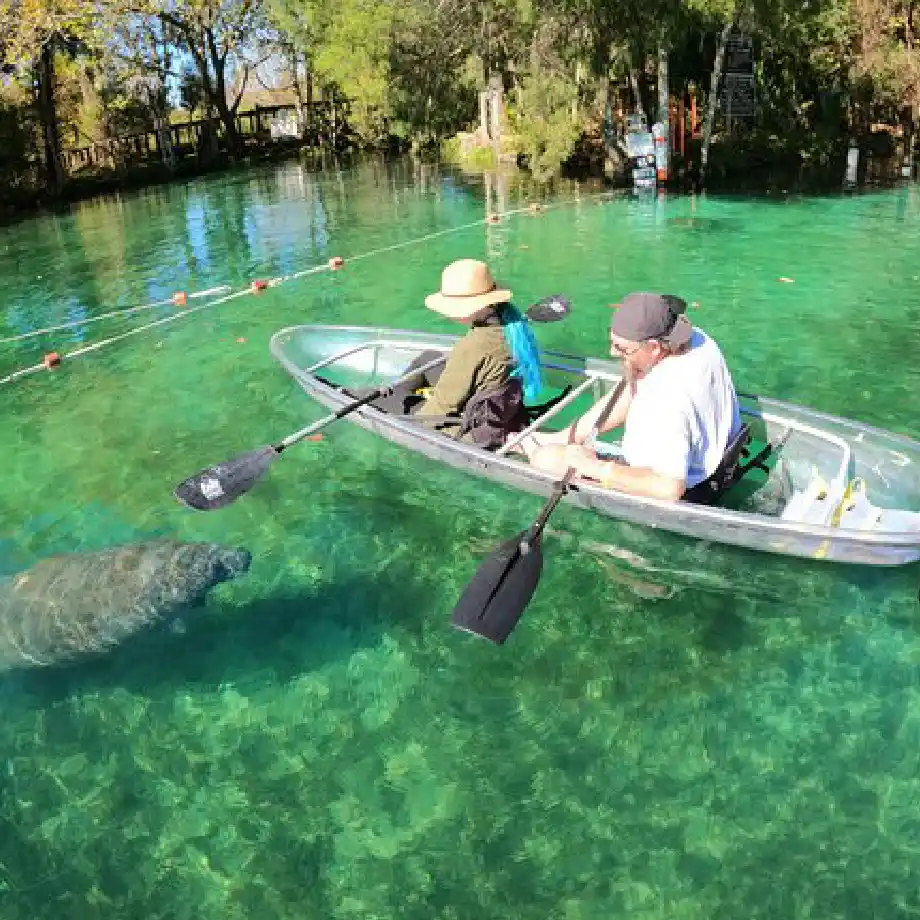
column 240, row 340
column 336, row 262
column 52, row 359
column 180, row 298
column 259, row 285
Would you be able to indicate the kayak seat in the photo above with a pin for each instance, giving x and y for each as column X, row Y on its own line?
column 728, row 472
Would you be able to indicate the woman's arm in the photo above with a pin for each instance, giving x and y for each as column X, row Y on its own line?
column 457, row 381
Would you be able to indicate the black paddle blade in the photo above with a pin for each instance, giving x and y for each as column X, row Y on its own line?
column 501, row 589
column 220, row 485
column 550, row 309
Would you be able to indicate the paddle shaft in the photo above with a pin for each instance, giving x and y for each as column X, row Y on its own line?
column 563, row 485
column 537, row 528
column 357, row 404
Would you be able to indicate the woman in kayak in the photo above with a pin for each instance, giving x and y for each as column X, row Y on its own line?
column 490, row 371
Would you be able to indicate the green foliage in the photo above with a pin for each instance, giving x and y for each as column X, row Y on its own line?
column 349, row 43
column 356, row 58
column 17, row 152
column 412, row 69
column 466, row 154
column 541, row 119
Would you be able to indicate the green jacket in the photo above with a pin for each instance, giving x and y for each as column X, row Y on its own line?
column 479, row 361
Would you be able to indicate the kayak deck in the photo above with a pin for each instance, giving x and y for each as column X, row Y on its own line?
column 834, row 489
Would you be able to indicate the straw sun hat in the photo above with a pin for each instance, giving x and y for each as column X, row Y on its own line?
column 467, row 288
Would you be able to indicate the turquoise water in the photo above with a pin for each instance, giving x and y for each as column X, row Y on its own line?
column 675, row 730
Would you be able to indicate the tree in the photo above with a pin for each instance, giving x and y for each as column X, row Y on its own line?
column 141, row 58
column 34, row 31
column 227, row 40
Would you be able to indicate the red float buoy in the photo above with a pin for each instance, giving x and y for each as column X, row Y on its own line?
column 493, row 219
column 180, row 298
column 259, row 285
column 52, row 359
column 336, row 262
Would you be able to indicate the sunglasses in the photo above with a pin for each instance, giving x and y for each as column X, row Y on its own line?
column 622, row 352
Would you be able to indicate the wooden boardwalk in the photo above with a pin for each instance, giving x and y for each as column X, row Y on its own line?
column 259, row 127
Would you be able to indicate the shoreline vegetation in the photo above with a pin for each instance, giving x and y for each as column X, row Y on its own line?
column 728, row 94
column 754, row 164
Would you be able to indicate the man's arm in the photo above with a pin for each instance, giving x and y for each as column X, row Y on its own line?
column 640, row 480
column 636, row 480
column 615, row 416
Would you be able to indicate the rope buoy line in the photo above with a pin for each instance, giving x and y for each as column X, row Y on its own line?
column 177, row 300
column 54, row 359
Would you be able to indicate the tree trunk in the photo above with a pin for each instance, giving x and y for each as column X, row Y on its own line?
column 914, row 105
column 484, row 115
column 663, row 148
column 495, row 114
column 303, row 104
column 713, row 100
column 663, row 80
column 164, row 140
column 47, row 109
column 227, row 116
column 637, row 94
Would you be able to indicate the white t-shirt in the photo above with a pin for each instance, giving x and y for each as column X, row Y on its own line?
column 683, row 414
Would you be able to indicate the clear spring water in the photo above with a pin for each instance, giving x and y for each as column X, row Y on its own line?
column 675, row 730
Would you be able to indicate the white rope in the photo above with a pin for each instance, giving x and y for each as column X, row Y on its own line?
column 272, row 282
column 124, row 335
column 125, row 312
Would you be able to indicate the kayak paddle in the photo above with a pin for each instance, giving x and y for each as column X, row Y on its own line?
column 502, row 587
column 504, row 583
column 222, row 484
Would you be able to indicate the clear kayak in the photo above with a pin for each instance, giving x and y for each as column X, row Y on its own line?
column 830, row 488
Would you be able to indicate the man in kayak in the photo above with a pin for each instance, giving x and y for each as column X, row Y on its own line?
column 679, row 409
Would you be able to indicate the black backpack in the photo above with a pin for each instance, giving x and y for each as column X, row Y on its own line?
column 491, row 415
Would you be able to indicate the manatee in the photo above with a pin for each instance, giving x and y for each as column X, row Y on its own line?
column 70, row 605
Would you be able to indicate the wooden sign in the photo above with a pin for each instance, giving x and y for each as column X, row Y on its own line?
column 739, row 96
column 739, row 54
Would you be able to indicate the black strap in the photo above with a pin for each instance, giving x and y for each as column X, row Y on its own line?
column 757, row 461
column 534, row 412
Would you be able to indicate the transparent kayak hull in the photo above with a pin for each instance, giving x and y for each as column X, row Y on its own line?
column 852, row 492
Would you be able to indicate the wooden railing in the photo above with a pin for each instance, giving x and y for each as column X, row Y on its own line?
column 253, row 128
